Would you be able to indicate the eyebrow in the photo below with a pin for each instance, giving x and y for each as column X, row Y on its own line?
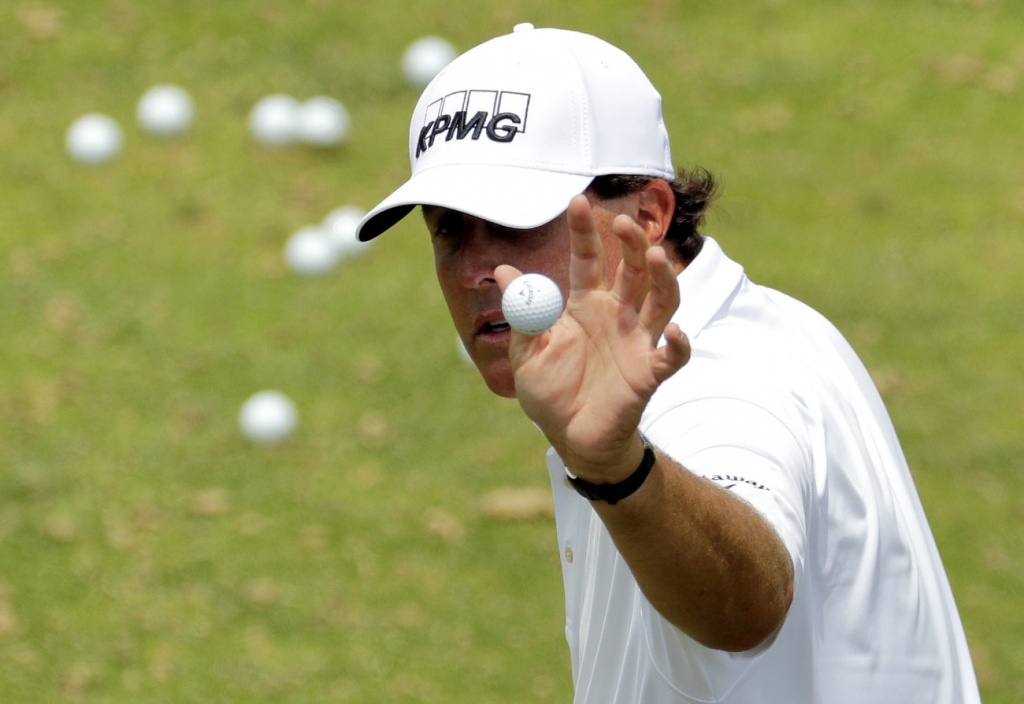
column 438, row 215
column 436, row 212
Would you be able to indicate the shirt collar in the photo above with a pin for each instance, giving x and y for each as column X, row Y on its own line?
column 705, row 285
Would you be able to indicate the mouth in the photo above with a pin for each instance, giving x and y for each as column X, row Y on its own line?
column 494, row 326
column 492, row 329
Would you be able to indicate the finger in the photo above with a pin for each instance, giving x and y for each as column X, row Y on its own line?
column 632, row 279
column 663, row 299
column 505, row 275
column 671, row 357
column 587, row 265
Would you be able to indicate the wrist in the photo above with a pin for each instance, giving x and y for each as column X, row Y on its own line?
column 614, row 491
column 608, row 466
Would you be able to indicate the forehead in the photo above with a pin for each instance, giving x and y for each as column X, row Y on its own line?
column 436, row 216
column 433, row 214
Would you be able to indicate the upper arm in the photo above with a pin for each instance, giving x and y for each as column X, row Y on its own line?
column 759, row 456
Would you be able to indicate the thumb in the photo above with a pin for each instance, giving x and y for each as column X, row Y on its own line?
column 505, row 275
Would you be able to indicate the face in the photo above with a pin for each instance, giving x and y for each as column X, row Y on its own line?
column 466, row 252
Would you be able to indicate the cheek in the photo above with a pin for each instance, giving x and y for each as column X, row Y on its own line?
column 447, row 278
column 441, row 264
column 552, row 261
column 456, row 298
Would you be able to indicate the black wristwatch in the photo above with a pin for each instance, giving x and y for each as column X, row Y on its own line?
column 613, row 493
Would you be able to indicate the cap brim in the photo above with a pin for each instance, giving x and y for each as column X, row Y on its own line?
column 506, row 195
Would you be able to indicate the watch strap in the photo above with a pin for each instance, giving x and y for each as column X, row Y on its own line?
column 613, row 493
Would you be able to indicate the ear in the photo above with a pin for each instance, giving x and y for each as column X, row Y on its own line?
column 656, row 207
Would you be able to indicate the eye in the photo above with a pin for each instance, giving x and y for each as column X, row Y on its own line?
column 447, row 227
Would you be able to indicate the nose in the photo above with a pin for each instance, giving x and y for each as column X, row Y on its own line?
column 479, row 255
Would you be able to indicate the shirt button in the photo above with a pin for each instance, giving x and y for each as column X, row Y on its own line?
column 568, row 553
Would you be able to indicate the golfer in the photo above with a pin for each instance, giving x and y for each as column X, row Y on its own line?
column 736, row 519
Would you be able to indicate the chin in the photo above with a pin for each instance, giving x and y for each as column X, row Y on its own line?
column 499, row 378
column 504, row 390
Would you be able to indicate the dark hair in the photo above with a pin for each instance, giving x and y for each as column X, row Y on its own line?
column 694, row 191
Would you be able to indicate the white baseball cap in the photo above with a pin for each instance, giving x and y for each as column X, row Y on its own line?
column 512, row 129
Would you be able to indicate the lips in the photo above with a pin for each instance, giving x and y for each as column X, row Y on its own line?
column 495, row 326
column 491, row 328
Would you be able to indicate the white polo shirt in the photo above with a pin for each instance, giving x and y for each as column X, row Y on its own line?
column 775, row 406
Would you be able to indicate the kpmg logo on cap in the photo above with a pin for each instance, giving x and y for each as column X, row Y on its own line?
column 500, row 115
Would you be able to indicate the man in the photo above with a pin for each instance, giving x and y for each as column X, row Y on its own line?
column 736, row 518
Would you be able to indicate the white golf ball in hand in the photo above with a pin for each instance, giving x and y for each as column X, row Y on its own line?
column 532, row 303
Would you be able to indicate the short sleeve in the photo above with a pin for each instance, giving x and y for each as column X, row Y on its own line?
column 743, row 447
column 763, row 460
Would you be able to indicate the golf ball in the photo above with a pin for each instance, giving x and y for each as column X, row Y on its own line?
column 274, row 120
column 268, row 417
column 340, row 225
column 94, row 138
column 424, row 59
column 460, row 348
column 165, row 110
column 322, row 122
column 532, row 303
column 310, row 251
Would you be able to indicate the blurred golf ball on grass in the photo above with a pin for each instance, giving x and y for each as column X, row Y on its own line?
column 268, row 417
column 310, row 251
column 94, row 139
column 322, row 121
column 340, row 225
column 274, row 120
column 460, row 349
column 165, row 110
column 424, row 59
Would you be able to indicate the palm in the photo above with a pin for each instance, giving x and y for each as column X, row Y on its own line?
column 587, row 380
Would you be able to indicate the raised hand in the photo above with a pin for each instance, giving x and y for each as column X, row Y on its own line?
column 587, row 380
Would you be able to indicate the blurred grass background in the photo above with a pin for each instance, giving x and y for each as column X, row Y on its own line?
column 872, row 159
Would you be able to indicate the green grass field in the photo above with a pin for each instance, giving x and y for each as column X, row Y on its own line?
column 872, row 158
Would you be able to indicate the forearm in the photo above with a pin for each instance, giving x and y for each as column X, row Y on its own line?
column 705, row 559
